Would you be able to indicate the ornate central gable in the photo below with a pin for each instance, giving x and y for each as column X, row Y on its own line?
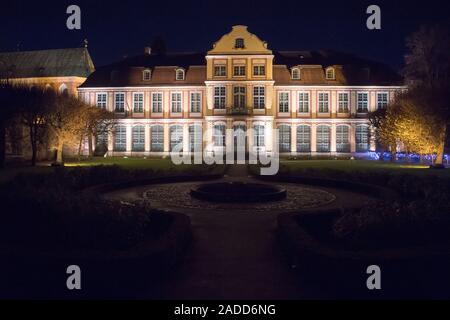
column 239, row 41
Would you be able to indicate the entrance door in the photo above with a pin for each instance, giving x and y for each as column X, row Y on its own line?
column 240, row 137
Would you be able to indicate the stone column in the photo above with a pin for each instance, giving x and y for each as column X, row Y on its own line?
column 293, row 138
column 333, row 138
column 147, row 138
column 186, row 137
column 352, row 138
column 313, row 138
column 166, row 138
column 129, row 138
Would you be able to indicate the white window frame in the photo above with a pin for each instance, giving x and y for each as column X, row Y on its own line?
column 145, row 73
column 288, row 102
column 182, row 72
column 220, row 97
column 141, row 140
column 347, row 143
column 115, row 101
column 339, row 101
column 258, row 67
column 241, row 67
column 358, row 101
column 302, row 102
column 104, row 103
column 191, row 93
column 333, row 73
column 258, row 97
column 296, row 69
column 377, row 100
column 300, row 144
column 172, row 102
column 224, row 66
column 134, row 102
column 159, row 102
column 319, row 101
column 157, row 138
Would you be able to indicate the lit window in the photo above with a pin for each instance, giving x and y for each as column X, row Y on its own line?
column 101, row 100
column 362, row 138
column 146, row 75
column 283, row 102
column 382, row 100
column 157, row 102
column 176, row 102
column 239, row 71
column 176, row 138
column 219, row 97
column 284, row 138
column 303, row 138
column 258, row 134
column 220, row 71
column 343, row 102
column 330, row 74
column 195, row 138
column 259, row 70
column 179, row 74
column 120, row 138
column 119, row 102
column 239, row 97
column 295, row 73
column 363, row 102
column 196, row 102
column 219, row 135
column 138, row 102
column 157, row 138
column 303, row 102
column 259, row 99
column 239, row 43
column 342, row 139
column 324, row 102
column 63, row 89
column 323, row 138
column 138, row 134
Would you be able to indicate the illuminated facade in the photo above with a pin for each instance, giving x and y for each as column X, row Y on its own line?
column 318, row 100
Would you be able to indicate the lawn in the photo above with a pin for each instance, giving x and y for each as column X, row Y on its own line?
column 362, row 165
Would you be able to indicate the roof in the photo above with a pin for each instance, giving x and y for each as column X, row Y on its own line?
column 46, row 63
column 350, row 70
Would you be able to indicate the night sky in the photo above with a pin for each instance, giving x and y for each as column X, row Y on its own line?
column 118, row 28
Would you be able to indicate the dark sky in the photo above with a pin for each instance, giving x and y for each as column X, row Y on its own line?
column 118, row 28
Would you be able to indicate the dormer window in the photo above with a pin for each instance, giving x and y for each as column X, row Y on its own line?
column 179, row 74
column 330, row 74
column 295, row 74
column 146, row 75
column 239, row 43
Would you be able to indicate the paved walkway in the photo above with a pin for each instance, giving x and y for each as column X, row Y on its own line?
column 235, row 255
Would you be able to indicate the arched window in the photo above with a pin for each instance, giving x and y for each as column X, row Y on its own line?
column 138, row 138
column 342, row 139
column 258, row 135
column 362, row 138
column 219, row 135
column 303, row 138
column 323, row 138
column 176, row 138
column 63, row 89
column 295, row 74
column 120, row 138
column 284, row 137
column 179, row 74
column 147, row 75
column 157, row 138
column 47, row 87
column 195, row 138
column 330, row 74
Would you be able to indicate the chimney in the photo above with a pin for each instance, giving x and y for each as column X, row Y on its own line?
column 148, row 50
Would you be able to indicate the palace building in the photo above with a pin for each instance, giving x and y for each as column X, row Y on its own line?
column 318, row 100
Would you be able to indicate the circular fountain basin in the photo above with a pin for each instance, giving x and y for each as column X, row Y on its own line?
column 238, row 192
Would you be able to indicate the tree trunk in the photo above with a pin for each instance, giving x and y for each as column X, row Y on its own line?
column 441, row 147
column 59, row 154
column 2, row 143
column 90, row 144
column 33, row 146
column 79, row 148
